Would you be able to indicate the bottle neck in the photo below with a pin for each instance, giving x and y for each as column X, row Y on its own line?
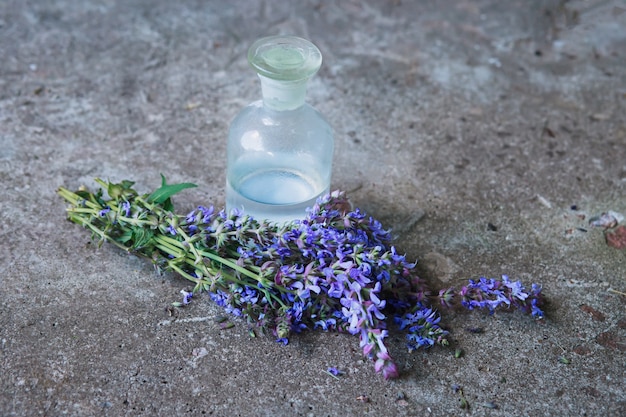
column 283, row 95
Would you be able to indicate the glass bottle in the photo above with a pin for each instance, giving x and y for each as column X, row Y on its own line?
column 279, row 148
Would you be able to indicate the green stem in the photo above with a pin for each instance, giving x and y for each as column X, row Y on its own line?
column 75, row 199
column 169, row 248
column 84, row 210
column 183, row 273
column 103, row 236
column 231, row 265
column 228, row 277
column 213, row 256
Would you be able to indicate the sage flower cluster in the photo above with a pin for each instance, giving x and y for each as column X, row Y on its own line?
column 334, row 270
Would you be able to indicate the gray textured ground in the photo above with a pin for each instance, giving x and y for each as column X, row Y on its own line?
column 449, row 117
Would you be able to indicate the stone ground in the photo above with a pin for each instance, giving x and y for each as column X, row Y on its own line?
column 485, row 133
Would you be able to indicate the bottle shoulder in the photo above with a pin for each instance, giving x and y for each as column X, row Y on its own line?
column 256, row 115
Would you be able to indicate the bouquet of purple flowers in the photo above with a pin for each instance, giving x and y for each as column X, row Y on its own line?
column 334, row 270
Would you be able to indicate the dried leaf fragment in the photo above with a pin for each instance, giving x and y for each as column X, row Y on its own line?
column 595, row 314
column 616, row 238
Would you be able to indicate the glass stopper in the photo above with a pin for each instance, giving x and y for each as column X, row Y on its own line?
column 285, row 58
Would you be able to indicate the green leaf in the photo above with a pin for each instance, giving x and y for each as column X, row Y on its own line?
column 122, row 190
column 115, row 190
column 126, row 236
column 163, row 194
column 141, row 237
column 126, row 184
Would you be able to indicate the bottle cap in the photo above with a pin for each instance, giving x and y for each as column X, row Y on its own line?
column 285, row 58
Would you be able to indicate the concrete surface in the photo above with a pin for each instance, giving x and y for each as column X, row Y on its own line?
column 470, row 128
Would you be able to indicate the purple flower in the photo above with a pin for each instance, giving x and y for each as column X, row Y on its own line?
column 536, row 311
column 390, row 370
column 334, row 371
column 337, row 286
column 186, row 296
column 207, row 213
column 385, row 364
column 446, row 297
column 373, row 310
column 325, row 324
column 126, row 208
column 296, row 311
column 517, row 289
column 248, row 295
column 219, row 297
column 423, row 327
column 492, row 294
column 395, row 257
